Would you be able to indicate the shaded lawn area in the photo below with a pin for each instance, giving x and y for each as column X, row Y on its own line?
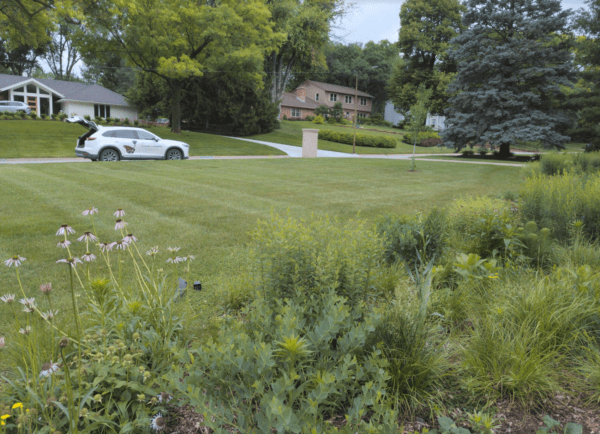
column 206, row 207
column 488, row 158
column 290, row 133
column 46, row 139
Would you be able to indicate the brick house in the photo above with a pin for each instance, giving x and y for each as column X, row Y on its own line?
column 311, row 94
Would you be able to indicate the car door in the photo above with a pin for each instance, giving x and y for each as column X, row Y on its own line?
column 149, row 145
column 126, row 142
column 4, row 107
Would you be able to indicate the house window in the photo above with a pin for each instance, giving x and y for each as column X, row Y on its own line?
column 101, row 111
column 333, row 97
column 317, row 97
column 295, row 113
column 31, row 88
column 362, row 115
column 19, row 89
column 363, row 101
column 348, row 99
column 20, row 98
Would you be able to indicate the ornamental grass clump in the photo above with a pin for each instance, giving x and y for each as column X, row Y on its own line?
column 99, row 367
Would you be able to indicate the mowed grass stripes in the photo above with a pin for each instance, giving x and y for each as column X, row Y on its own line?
column 206, row 207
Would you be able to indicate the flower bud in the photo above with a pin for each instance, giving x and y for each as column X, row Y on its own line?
column 64, row 342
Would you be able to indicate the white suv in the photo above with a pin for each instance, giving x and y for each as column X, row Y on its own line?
column 125, row 143
column 14, row 107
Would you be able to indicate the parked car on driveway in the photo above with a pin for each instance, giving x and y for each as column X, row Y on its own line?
column 14, row 107
column 125, row 143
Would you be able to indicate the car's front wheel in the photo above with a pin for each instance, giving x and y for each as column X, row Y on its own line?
column 109, row 155
column 174, row 154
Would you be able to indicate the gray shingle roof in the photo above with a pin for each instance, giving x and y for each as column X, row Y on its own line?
column 290, row 100
column 72, row 91
column 338, row 89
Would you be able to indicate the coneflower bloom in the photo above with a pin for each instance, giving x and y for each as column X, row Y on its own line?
column 120, row 224
column 27, row 301
column 106, row 247
column 90, row 211
column 71, row 261
column 119, row 213
column 158, row 422
column 121, row 245
column 29, row 309
column 87, row 236
column 189, row 258
column 130, row 238
column 25, row 331
column 88, row 257
column 173, row 249
column 153, row 251
column 15, row 260
column 48, row 369
column 46, row 288
column 164, row 397
column 65, row 230
column 49, row 315
column 64, row 244
column 8, row 298
column 175, row 260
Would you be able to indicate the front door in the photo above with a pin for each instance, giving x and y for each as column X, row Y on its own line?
column 32, row 103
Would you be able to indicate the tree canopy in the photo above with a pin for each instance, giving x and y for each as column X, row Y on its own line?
column 511, row 66
column 426, row 28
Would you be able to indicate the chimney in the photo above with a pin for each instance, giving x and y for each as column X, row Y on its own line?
column 301, row 94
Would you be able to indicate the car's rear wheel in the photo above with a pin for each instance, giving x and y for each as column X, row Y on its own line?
column 109, row 155
column 174, row 154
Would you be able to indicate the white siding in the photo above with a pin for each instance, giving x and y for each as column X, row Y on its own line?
column 392, row 115
column 87, row 108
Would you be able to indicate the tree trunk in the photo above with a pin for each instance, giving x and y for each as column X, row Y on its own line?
column 504, row 150
column 176, row 107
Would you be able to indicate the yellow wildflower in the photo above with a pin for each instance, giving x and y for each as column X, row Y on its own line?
column 5, row 416
column 17, row 405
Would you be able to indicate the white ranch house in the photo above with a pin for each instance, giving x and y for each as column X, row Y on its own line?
column 47, row 96
column 391, row 115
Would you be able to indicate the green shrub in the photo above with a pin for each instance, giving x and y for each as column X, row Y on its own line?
column 136, row 122
column 482, row 151
column 427, row 143
column 467, row 152
column 3, row 117
column 309, row 118
column 309, row 256
column 556, row 202
column 33, row 115
column 331, row 120
column 44, row 116
column 126, row 122
column 62, row 116
column 413, row 239
column 298, row 363
column 87, row 117
column 318, row 120
column 53, row 116
column 23, row 115
column 538, row 246
column 423, row 135
column 345, row 121
column 285, row 118
column 361, row 139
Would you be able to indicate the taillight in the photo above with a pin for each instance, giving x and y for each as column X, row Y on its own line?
column 90, row 138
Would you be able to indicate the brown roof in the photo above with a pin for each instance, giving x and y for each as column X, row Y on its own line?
column 290, row 100
column 337, row 89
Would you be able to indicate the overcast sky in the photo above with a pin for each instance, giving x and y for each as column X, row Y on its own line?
column 375, row 20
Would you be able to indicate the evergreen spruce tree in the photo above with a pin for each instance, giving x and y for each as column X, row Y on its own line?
column 511, row 62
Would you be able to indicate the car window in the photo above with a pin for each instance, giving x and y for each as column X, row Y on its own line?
column 109, row 134
column 125, row 134
column 144, row 135
column 2, row 103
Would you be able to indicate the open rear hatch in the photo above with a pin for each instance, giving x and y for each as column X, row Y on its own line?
column 91, row 126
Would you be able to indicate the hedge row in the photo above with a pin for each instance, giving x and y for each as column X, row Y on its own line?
column 361, row 139
column 424, row 135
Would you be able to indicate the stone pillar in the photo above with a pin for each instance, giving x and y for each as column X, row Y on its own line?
column 310, row 140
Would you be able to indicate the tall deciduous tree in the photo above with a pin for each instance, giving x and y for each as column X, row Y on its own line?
column 426, row 28
column 61, row 54
column 306, row 24
column 20, row 59
column 179, row 39
column 511, row 65
column 110, row 71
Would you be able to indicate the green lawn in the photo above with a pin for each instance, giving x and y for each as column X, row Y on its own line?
column 205, row 207
column 290, row 133
column 29, row 139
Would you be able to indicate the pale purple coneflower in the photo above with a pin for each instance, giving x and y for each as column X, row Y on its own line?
column 87, row 236
column 8, row 298
column 164, row 397
column 48, row 369
column 120, row 224
column 119, row 213
column 106, row 247
column 65, row 230
column 64, row 244
column 88, row 257
column 158, row 422
column 15, row 260
column 71, row 261
column 1, row 341
column 153, row 251
column 121, row 244
column 27, row 301
column 173, row 249
column 130, row 238
column 29, row 309
column 175, row 260
column 189, row 258
column 49, row 316
column 25, row 331
column 46, row 288
column 90, row 211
